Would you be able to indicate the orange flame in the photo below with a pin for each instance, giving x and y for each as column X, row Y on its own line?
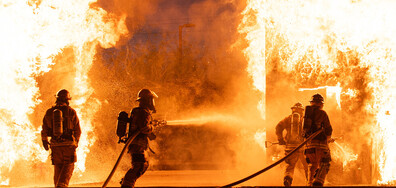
column 260, row 137
column 306, row 38
column 33, row 34
column 330, row 91
column 254, row 27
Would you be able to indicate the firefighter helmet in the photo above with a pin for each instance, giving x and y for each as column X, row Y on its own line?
column 63, row 95
column 317, row 98
column 146, row 99
column 297, row 106
column 146, row 94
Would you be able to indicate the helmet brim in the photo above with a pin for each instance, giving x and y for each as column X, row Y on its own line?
column 321, row 102
column 153, row 95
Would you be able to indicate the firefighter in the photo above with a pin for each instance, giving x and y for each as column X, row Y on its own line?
column 317, row 151
column 140, row 121
column 293, row 126
column 61, row 123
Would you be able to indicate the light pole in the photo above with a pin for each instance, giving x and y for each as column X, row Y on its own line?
column 181, row 39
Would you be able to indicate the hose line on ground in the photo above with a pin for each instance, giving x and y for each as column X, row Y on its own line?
column 276, row 163
column 128, row 142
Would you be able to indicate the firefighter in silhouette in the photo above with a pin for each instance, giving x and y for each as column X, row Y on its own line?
column 61, row 123
column 293, row 126
column 140, row 121
column 317, row 151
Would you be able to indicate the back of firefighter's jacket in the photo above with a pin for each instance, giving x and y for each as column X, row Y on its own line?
column 320, row 120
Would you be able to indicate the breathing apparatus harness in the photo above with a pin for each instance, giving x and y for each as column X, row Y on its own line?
column 61, row 130
column 295, row 128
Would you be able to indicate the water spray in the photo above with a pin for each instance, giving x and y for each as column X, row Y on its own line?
column 205, row 119
column 186, row 122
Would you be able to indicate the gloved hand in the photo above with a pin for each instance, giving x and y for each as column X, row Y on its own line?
column 282, row 142
column 45, row 144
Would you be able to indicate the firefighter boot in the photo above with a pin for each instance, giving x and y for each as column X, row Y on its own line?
column 124, row 186
column 287, row 181
column 317, row 184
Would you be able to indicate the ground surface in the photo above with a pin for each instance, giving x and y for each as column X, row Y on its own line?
column 206, row 178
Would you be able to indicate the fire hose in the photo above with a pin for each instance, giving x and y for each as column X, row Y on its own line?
column 276, row 163
column 128, row 142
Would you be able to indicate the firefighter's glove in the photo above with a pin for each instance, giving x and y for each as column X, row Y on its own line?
column 46, row 145
column 282, row 142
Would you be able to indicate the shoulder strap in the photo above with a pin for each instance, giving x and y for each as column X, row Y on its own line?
column 69, row 121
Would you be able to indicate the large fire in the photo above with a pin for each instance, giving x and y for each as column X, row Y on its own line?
column 33, row 33
column 343, row 46
column 260, row 138
column 320, row 43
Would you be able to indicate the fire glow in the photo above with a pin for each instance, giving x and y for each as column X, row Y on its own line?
column 330, row 42
column 260, row 138
column 330, row 91
column 33, row 33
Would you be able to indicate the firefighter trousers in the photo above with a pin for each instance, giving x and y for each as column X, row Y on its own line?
column 63, row 158
column 139, row 167
column 62, row 174
column 292, row 161
column 318, row 160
